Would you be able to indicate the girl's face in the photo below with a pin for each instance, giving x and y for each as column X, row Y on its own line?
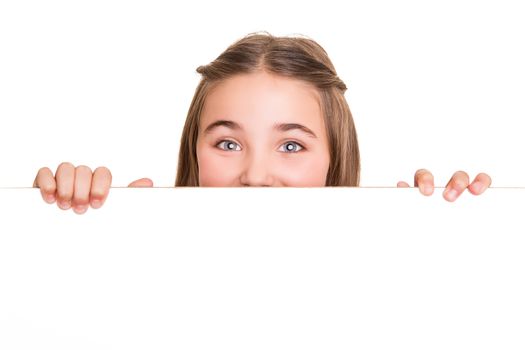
column 261, row 129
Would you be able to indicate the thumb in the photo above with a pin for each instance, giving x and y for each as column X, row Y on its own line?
column 144, row 182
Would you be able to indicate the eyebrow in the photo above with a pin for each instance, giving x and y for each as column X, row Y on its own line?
column 226, row 123
column 293, row 126
column 283, row 127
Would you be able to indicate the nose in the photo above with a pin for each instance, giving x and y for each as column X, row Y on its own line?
column 257, row 172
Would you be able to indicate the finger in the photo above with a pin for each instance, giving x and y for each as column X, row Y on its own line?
column 425, row 181
column 82, row 188
column 455, row 187
column 144, row 182
column 46, row 182
column 480, row 184
column 65, row 179
column 402, row 184
column 100, row 186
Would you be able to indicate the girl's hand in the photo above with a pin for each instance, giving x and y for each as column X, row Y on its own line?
column 455, row 187
column 78, row 187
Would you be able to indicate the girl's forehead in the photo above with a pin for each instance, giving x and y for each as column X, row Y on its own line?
column 261, row 82
column 263, row 98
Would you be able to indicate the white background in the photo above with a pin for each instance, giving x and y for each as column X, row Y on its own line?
column 431, row 84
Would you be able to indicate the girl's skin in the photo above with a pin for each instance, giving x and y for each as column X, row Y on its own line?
column 256, row 129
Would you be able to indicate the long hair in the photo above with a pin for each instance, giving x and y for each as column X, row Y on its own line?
column 294, row 57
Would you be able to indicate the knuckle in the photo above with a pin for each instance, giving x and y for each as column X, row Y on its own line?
column 43, row 178
column 44, row 170
column 423, row 176
column 485, row 176
column 489, row 180
column 461, row 173
column 103, row 169
column 103, row 176
column 66, row 164
column 461, row 178
column 426, row 177
column 84, row 168
column 421, row 172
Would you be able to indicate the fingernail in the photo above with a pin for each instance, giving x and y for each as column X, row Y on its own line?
column 64, row 204
column 476, row 186
column 95, row 204
column 80, row 209
column 427, row 190
column 50, row 199
column 451, row 194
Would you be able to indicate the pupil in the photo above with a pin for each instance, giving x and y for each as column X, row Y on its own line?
column 290, row 147
column 230, row 145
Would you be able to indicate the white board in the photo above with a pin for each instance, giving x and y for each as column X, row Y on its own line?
column 333, row 268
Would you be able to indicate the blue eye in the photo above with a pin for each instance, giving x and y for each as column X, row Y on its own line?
column 292, row 147
column 230, row 145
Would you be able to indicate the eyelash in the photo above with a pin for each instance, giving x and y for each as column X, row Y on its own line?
column 287, row 142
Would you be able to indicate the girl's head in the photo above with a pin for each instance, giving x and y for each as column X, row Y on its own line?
column 269, row 111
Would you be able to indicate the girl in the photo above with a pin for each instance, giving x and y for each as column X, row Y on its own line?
column 269, row 111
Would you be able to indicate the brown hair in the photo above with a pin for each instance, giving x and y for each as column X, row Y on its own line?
column 294, row 57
